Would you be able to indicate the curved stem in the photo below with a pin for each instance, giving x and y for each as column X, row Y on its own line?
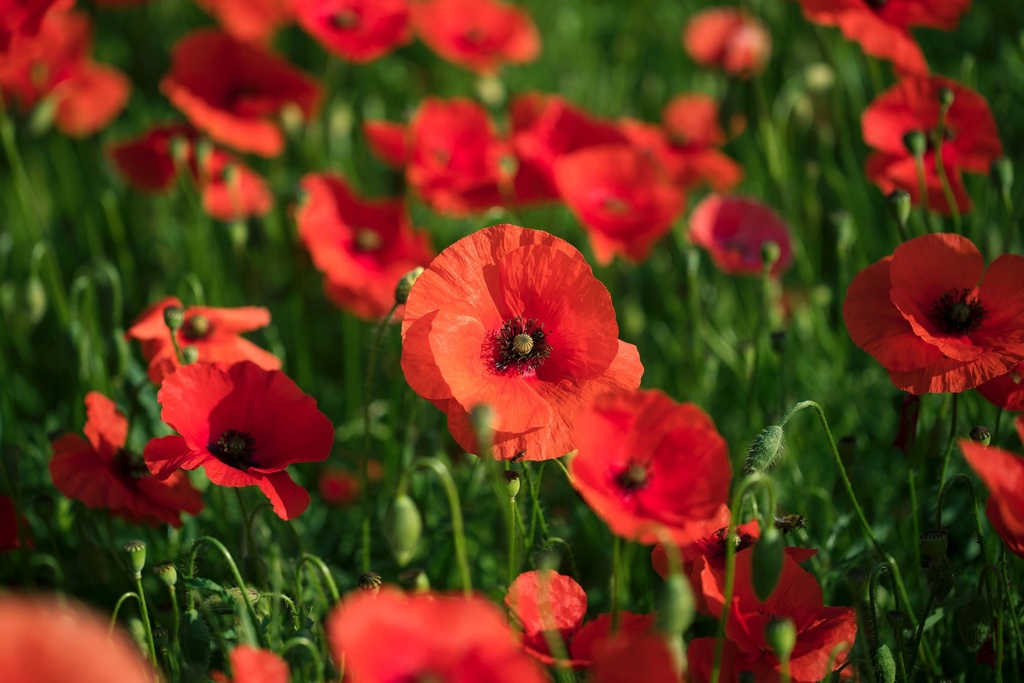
column 310, row 558
column 974, row 506
column 454, row 506
column 302, row 641
column 949, row 443
column 235, row 574
column 288, row 601
column 117, row 608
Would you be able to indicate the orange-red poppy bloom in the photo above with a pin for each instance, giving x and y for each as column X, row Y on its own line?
column 231, row 90
column 252, row 665
column 734, row 230
column 882, row 28
column 480, row 35
column 623, row 197
column 515, row 319
column 24, row 17
column 244, row 425
column 628, row 658
column 43, row 639
column 821, row 631
column 1006, row 391
column 362, row 246
column 728, row 39
column 967, row 136
column 251, row 21
column 103, row 473
column 1003, row 474
column 449, row 638
column 214, row 332
column 645, row 463
column 357, row 30
column 927, row 315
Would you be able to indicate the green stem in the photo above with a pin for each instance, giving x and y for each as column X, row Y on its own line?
column 949, row 443
column 310, row 558
column 145, row 619
column 117, row 608
column 288, row 601
column 974, row 506
column 235, row 574
column 302, row 641
column 616, row 575
column 922, row 193
column 512, row 520
column 177, row 618
column 458, row 530
column 940, row 168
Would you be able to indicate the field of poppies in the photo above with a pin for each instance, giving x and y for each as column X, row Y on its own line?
column 474, row 340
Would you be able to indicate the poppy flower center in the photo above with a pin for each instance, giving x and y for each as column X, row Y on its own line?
column 714, row 545
column 367, row 240
column 520, row 346
column 195, row 328
column 234, row 448
column 615, row 205
column 130, row 464
column 346, row 18
column 876, row 4
column 633, row 478
column 957, row 312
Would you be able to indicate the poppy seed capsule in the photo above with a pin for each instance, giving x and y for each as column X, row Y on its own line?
column 899, row 205
column 404, row 285
column 946, row 97
column 512, row 483
column 194, row 639
column 370, row 582
column 915, row 142
column 765, row 450
column 402, row 528
column 939, row 576
column 167, row 572
column 174, row 317
column 189, row 354
column 981, row 435
column 934, row 543
column 137, row 554
column 766, row 562
column 975, row 623
column 780, row 634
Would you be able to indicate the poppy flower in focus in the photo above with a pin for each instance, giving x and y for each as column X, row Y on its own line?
column 46, row 639
column 967, row 136
column 930, row 319
column 480, row 35
column 356, row 30
column 252, row 665
column 727, row 39
column 1003, row 474
column 338, row 487
column 362, row 246
column 1006, row 391
column 104, row 474
column 622, row 197
column 230, row 90
column 646, row 463
column 515, row 319
column 449, row 638
column 250, row 21
column 244, row 425
column 821, row 631
column 734, row 230
column 214, row 332
column 882, row 28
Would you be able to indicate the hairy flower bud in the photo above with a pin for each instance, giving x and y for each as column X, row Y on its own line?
column 404, row 285
column 194, row 639
column 885, row 665
column 676, row 606
column 765, row 450
column 975, row 623
column 899, row 206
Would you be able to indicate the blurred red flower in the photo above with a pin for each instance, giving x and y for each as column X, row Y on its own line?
column 244, row 425
column 926, row 319
column 252, row 665
column 9, row 521
column 1003, row 474
column 46, row 639
column 1006, row 391
column 362, row 246
column 338, row 487
column 734, row 230
column 445, row 637
column 104, row 474
column 514, row 319
column 480, row 35
column 623, row 198
column 968, row 137
column 229, row 90
column 728, row 39
column 820, row 629
column 356, row 30
column 24, row 17
column 626, row 659
column 883, row 28
column 54, row 65
column 251, row 21
column 213, row 331
column 645, row 463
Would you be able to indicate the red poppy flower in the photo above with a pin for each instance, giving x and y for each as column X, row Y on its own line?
column 338, row 487
column 229, row 90
column 252, row 665
column 443, row 637
column 735, row 229
column 638, row 658
column 645, row 463
column 104, row 474
column 728, row 39
column 883, row 28
column 820, row 629
column 1003, row 474
column 9, row 522
column 480, row 35
column 46, row 639
column 387, row 140
column 515, row 319
column 23, row 18
column 544, row 602
column 357, row 30
column 363, row 247
column 924, row 316
column 969, row 139
column 244, row 425
column 251, row 21
column 1006, row 391
column 622, row 197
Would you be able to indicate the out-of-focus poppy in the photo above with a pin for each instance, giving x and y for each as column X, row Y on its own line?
column 338, row 487
column 23, row 18
column 244, row 425
column 357, row 30
column 628, row 658
column 928, row 317
column 251, row 21
column 481, row 35
column 546, row 602
column 734, row 231
column 514, row 319
column 1003, row 474
column 9, row 523
column 1006, row 391
column 728, row 39
column 252, row 665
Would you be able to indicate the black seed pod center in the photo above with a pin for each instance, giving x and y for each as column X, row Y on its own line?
column 234, row 448
column 957, row 312
column 520, row 346
column 876, row 4
column 197, row 327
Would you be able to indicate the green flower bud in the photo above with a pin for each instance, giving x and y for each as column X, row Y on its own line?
column 676, row 607
column 194, row 639
column 946, row 97
column 512, row 482
column 370, row 581
column 975, row 623
column 137, row 554
column 765, row 450
column 167, row 572
column 189, row 354
column 899, row 206
column 766, row 562
column 770, row 253
column 934, row 543
column 1002, row 174
column 404, row 285
column 780, row 634
column 885, row 665
column 981, row 435
column 402, row 528
column 174, row 317
column 916, row 142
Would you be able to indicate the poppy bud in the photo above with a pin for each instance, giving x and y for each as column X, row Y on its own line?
column 765, row 450
column 167, row 572
column 415, row 580
column 189, row 354
column 975, row 624
column 916, row 143
column 1002, row 174
column 676, row 607
column 43, row 116
column 768, row 555
column 369, row 582
column 770, row 253
column 404, row 285
column 934, row 543
column 174, row 317
column 402, row 528
column 981, row 435
column 194, row 639
column 512, row 482
column 899, row 206
column 292, row 118
column 137, row 554
column 491, row 90
column 946, row 97
column 885, row 665
column 780, row 634
column 939, row 576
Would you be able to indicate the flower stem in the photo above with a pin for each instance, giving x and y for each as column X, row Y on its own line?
column 616, row 572
column 947, row 190
column 454, row 506
column 145, row 619
column 311, row 559
column 117, row 608
column 302, row 641
column 974, row 506
column 512, row 520
column 949, row 443
column 235, row 574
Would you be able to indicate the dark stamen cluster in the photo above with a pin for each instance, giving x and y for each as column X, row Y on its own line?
column 130, row 464
column 877, row 4
column 956, row 312
column 633, row 478
column 521, row 345
column 197, row 327
column 234, row 448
